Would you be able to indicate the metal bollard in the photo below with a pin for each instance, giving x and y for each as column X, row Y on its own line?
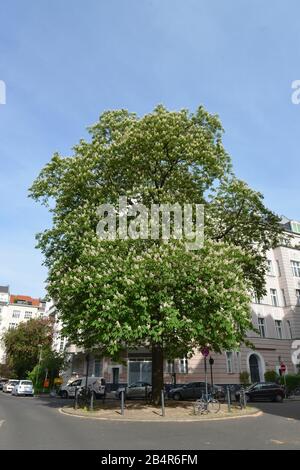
column 163, row 413
column 76, row 399
column 92, row 401
column 122, row 402
column 244, row 398
column 228, row 400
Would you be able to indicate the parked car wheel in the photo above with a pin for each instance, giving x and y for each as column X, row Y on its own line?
column 279, row 398
column 64, row 394
column 177, row 396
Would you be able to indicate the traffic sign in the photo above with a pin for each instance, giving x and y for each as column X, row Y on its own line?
column 46, row 383
column 205, row 352
column 282, row 368
column 58, row 380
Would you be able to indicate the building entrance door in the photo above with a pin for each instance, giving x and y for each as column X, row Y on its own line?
column 254, row 368
column 116, row 374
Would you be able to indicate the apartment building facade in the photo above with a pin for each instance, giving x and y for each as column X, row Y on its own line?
column 276, row 317
column 15, row 309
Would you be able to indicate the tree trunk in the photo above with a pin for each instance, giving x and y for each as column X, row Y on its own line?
column 157, row 372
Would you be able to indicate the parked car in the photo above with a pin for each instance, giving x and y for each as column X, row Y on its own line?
column 263, row 391
column 96, row 384
column 194, row 390
column 24, row 387
column 8, row 387
column 2, row 382
column 138, row 389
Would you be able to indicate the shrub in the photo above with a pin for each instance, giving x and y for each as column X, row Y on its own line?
column 271, row 376
column 292, row 381
column 244, row 377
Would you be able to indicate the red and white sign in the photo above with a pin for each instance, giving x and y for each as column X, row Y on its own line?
column 205, row 352
column 283, row 368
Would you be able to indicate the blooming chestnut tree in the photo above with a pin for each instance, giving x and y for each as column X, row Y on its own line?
column 116, row 294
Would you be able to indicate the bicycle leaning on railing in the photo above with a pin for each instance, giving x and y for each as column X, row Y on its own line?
column 207, row 404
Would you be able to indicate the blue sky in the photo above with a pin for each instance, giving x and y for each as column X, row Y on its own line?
column 64, row 62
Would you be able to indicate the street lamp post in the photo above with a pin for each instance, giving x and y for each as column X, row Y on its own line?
column 39, row 365
column 87, row 358
column 205, row 353
column 205, row 370
column 211, row 363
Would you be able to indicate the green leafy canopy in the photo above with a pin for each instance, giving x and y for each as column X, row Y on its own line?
column 127, row 293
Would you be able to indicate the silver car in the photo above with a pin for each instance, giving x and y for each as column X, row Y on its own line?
column 138, row 389
column 24, row 387
column 9, row 386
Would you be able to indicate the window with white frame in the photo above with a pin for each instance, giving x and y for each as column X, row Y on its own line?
column 16, row 314
column 274, row 298
column 28, row 314
column 229, row 362
column 278, row 268
column 296, row 268
column 257, row 300
column 283, row 297
column 11, row 326
column 278, row 327
column 270, row 268
column 290, row 328
column 183, row 366
column 261, row 327
column 170, row 366
column 298, row 296
column 98, row 367
column 238, row 361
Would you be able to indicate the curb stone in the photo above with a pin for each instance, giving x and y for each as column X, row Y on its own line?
column 67, row 411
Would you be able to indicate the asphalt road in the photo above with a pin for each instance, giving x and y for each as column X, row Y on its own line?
column 35, row 423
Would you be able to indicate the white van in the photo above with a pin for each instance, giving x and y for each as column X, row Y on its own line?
column 97, row 384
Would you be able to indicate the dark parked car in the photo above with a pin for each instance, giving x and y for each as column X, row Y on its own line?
column 263, row 391
column 195, row 390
